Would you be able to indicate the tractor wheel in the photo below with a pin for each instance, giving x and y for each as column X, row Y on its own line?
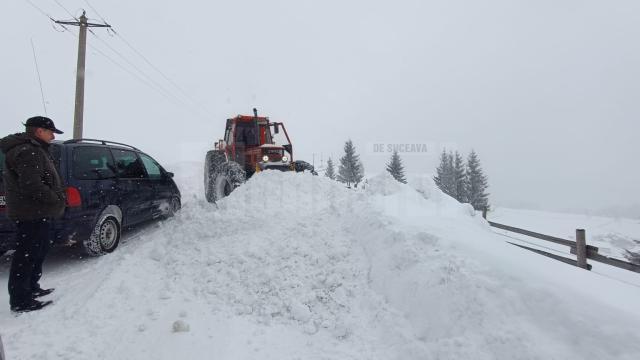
column 212, row 166
column 221, row 176
column 230, row 176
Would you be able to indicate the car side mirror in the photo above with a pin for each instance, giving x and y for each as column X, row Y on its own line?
column 170, row 174
column 276, row 128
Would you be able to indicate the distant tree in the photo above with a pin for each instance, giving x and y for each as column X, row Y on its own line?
column 395, row 168
column 439, row 179
column 360, row 173
column 444, row 178
column 459, row 178
column 330, row 171
column 350, row 170
column 477, row 183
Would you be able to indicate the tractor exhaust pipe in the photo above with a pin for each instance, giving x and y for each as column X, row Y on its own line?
column 255, row 112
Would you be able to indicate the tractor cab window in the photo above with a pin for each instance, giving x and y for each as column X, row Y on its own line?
column 265, row 134
column 280, row 139
column 227, row 136
column 246, row 134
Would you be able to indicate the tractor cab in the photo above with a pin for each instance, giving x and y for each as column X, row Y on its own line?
column 256, row 144
column 251, row 144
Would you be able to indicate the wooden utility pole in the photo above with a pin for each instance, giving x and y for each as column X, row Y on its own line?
column 78, row 115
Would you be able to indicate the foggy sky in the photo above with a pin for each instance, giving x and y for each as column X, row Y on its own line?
column 545, row 91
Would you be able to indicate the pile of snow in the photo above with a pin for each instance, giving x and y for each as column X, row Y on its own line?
column 297, row 266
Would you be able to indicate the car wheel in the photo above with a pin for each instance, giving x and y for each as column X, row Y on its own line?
column 105, row 237
column 174, row 207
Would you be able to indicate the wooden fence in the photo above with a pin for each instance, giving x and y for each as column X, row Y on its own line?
column 578, row 248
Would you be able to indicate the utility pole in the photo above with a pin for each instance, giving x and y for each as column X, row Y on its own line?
column 78, row 115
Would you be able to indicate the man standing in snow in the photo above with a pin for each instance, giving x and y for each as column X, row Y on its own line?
column 35, row 197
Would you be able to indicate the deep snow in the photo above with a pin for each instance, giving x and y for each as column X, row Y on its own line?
column 612, row 236
column 293, row 266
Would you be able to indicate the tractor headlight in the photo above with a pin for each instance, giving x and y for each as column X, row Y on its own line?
column 285, row 159
column 265, row 158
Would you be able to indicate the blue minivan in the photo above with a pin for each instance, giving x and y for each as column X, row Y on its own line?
column 109, row 186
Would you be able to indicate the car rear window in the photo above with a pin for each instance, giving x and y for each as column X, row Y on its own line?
column 92, row 163
column 56, row 152
column 1, row 164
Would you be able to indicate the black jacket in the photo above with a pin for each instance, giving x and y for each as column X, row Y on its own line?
column 32, row 184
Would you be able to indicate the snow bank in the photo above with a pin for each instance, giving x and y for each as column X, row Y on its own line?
column 297, row 266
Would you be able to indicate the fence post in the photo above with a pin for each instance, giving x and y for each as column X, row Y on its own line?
column 581, row 248
column 484, row 213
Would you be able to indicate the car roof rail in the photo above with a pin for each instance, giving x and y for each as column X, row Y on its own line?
column 103, row 142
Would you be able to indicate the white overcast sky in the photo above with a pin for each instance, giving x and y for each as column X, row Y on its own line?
column 547, row 92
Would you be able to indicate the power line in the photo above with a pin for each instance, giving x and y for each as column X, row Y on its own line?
column 135, row 67
column 39, row 9
column 97, row 50
column 154, row 67
column 146, row 60
column 125, row 69
column 95, row 11
column 150, row 82
column 65, row 9
column 35, row 60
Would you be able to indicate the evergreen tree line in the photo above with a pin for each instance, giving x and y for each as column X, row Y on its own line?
column 351, row 169
column 464, row 182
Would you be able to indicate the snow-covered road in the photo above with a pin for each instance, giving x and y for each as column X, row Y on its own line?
column 293, row 266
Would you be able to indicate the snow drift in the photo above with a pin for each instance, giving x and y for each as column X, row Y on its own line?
column 294, row 266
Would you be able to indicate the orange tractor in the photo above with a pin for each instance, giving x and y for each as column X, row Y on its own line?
column 249, row 146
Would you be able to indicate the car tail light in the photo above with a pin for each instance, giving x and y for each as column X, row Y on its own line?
column 3, row 202
column 73, row 197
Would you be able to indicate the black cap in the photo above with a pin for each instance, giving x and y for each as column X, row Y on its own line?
column 42, row 122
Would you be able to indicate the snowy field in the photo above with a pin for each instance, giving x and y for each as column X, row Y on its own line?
column 613, row 236
column 292, row 266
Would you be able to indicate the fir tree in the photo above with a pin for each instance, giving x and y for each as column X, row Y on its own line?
column 360, row 173
column 330, row 171
column 439, row 178
column 444, row 178
column 395, row 168
column 459, row 179
column 476, row 183
column 350, row 170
